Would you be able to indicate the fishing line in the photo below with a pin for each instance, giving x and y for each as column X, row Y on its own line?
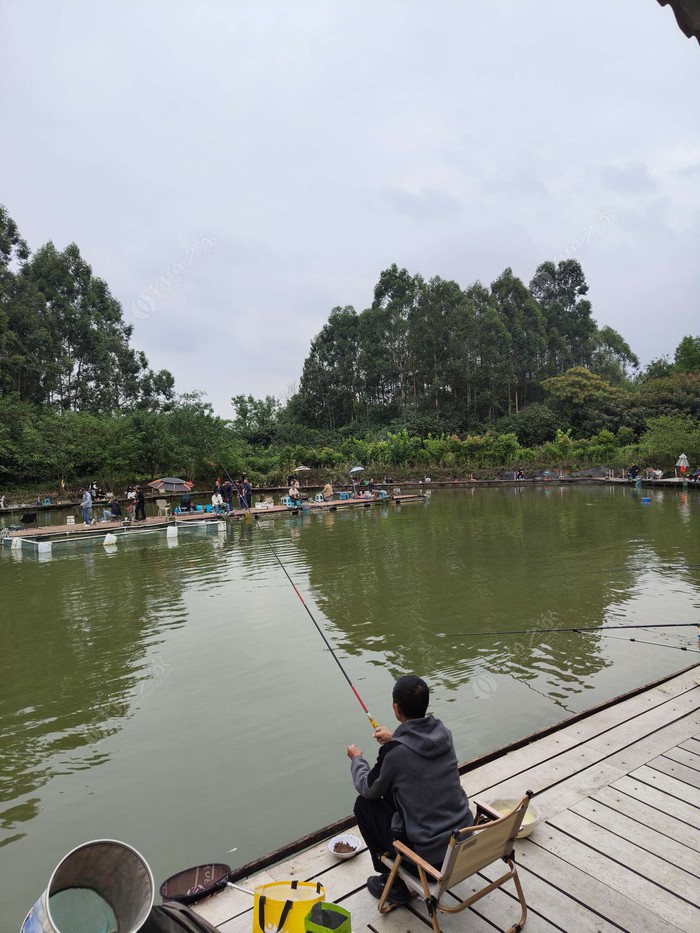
column 375, row 724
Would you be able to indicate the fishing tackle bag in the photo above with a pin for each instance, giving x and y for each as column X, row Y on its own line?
column 327, row 918
column 282, row 906
column 176, row 918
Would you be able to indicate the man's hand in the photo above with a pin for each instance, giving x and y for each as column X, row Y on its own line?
column 382, row 735
column 354, row 751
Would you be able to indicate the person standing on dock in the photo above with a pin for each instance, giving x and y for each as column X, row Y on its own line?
column 246, row 492
column 413, row 792
column 140, row 513
column 86, row 506
column 228, row 495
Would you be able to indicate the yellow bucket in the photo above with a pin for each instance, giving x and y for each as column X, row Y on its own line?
column 281, row 906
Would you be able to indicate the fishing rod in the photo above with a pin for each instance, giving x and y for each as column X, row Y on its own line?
column 580, row 628
column 641, row 641
column 375, row 724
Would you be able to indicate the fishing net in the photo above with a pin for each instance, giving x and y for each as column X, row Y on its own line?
column 192, row 884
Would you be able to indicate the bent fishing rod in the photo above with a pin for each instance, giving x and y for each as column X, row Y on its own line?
column 248, row 511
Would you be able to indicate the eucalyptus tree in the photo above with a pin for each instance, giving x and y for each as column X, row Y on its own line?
column 494, row 344
column 613, row 357
column 429, row 337
column 527, row 345
column 327, row 389
column 82, row 341
column 687, row 355
column 461, row 364
column 396, row 296
column 571, row 330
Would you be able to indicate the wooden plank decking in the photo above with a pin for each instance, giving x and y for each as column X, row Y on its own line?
column 618, row 846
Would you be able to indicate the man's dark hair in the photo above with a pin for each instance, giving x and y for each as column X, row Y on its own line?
column 411, row 694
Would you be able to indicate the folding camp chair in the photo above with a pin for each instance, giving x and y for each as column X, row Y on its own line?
column 29, row 518
column 469, row 851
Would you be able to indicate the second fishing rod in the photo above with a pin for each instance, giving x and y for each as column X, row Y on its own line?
column 250, row 516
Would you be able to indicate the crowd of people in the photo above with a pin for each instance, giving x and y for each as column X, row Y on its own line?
column 226, row 495
column 113, row 510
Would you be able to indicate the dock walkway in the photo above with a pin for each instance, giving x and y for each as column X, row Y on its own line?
column 617, row 848
column 33, row 535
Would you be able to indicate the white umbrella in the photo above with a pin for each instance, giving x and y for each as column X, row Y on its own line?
column 302, row 469
column 357, row 469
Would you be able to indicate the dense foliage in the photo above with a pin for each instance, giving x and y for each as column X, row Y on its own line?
column 458, row 357
column 431, row 376
column 63, row 341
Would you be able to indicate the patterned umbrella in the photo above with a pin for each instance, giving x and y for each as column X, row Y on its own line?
column 171, row 484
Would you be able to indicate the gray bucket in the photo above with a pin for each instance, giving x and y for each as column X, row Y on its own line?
column 100, row 887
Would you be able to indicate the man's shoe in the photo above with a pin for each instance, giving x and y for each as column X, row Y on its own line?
column 399, row 894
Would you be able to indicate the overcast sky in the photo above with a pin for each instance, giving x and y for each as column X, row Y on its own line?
column 234, row 170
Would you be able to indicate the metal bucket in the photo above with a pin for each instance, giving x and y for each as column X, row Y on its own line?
column 102, row 886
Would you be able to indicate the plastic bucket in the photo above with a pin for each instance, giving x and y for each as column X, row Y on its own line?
column 281, row 906
column 100, row 887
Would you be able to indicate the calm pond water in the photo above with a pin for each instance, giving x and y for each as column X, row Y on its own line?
column 178, row 698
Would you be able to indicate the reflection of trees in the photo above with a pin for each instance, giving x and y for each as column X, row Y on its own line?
column 412, row 588
column 73, row 658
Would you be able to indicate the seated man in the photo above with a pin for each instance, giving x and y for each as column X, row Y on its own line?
column 413, row 792
column 327, row 492
column 185, row 503
column 113, row 512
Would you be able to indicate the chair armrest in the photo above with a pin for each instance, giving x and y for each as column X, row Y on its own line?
column 485, row 813
column 403, row 849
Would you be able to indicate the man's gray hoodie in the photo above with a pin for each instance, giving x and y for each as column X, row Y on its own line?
column 417, row 772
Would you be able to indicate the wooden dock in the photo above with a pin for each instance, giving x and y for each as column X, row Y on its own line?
column 618, row 846
column 34, row 535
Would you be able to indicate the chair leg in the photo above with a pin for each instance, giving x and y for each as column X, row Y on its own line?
column 384, row 908
column 431, row 904
column 521, row 897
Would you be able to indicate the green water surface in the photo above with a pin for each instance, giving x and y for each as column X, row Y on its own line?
column 176, row 696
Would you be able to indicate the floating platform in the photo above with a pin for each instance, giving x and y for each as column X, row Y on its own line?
column 41, row 539
column 617, row 848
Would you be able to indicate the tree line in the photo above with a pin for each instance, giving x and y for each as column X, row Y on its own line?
column 429, row 375
column 455, row 357
column 63, row 340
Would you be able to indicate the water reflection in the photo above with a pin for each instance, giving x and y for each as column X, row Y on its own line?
column 503, row 565
column 75, row 640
